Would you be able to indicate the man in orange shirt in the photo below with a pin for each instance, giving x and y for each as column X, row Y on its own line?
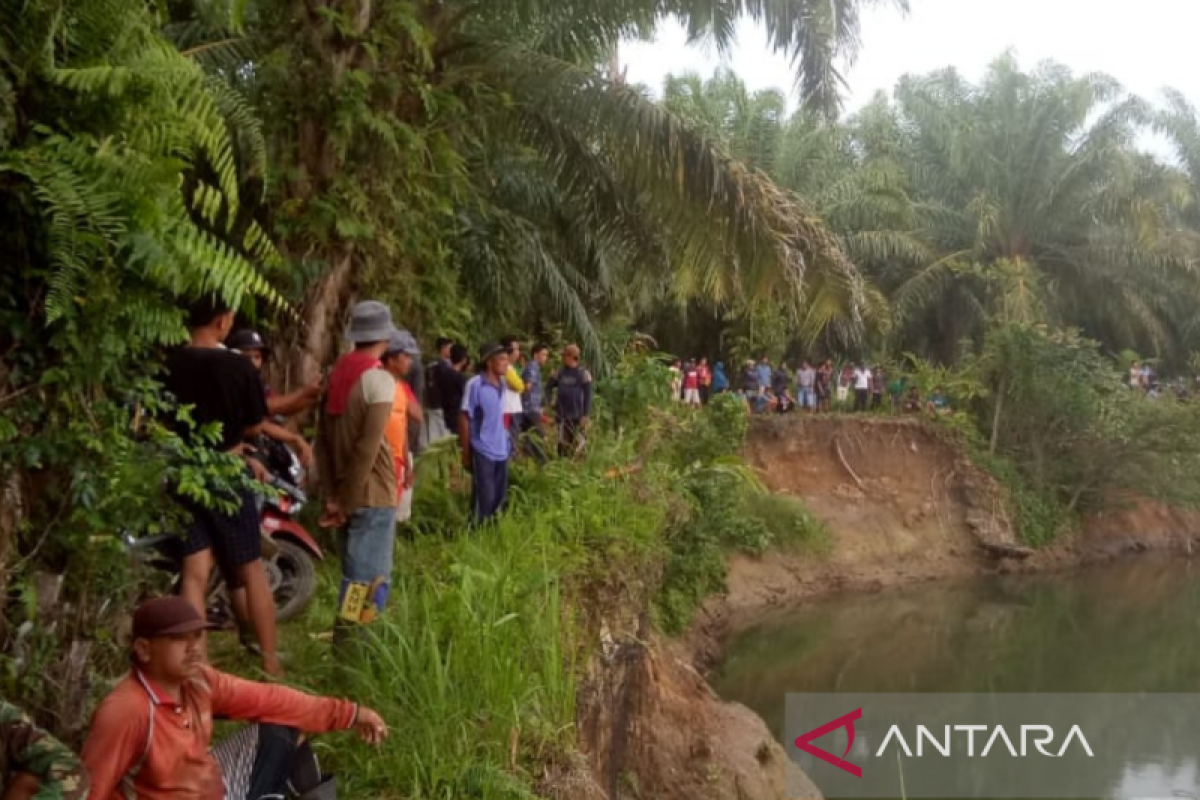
column 398, row 360
column 150, row 737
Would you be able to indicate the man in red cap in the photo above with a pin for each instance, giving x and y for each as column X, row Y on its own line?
column 150, row 737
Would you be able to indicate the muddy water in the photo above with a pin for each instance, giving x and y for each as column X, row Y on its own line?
column 1129, row 627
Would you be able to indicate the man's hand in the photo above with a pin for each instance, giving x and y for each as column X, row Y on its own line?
column 468, row 463
column 304, row 452
column 333, row 517
column 583, row 423
column 410, row 477
column 260, row 472
column 370, row 726
column 312, row 392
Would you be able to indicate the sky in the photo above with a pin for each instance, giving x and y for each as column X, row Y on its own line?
column 1145, row 44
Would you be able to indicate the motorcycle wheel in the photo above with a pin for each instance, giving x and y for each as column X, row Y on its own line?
column 293, row 578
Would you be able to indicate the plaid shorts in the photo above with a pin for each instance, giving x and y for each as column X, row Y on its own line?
column 235, row 539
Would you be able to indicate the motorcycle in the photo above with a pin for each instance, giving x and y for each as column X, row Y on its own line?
column 289, row 551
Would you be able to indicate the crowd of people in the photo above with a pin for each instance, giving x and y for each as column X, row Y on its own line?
column 377, row 407
column 813, row 387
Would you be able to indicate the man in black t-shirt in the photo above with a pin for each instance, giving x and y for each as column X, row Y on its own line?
column 223, row 387
column 451, row 381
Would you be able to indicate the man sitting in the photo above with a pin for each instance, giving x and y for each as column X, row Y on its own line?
column 33, row 764
column 150, row 737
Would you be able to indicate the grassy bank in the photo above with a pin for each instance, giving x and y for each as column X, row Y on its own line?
column 476, row 663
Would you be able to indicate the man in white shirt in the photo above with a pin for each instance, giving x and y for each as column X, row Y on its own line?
column 862, row 387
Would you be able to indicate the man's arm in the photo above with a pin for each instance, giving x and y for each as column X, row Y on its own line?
column 240, row 699
column 295, row 402
column 291, row 439
column 379, row 389
column 33, row 751
column 115, row 744
column 587, row 394
column 514, row 380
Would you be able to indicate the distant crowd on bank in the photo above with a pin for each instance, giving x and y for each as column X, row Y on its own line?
column 810, row 387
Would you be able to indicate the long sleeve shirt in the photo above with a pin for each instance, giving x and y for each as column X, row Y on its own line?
column 144, row 744
column 24, row 747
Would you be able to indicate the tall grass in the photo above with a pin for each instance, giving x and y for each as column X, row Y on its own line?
column 475, row 663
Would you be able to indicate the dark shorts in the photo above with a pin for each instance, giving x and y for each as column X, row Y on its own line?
column 234, row 538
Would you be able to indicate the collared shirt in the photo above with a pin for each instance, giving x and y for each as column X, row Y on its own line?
column 146, row 745
column 532, row 399
column 764, row 376
column 483, row 403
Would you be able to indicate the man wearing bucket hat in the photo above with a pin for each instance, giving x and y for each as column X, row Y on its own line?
column 150, row 737
column 486, row 444
column 357, row 471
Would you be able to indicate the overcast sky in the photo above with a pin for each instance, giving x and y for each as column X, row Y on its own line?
column 1145, row 44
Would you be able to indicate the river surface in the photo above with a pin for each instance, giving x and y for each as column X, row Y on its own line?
column 1127, row 627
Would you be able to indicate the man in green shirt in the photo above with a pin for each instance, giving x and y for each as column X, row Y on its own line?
column 35, row 765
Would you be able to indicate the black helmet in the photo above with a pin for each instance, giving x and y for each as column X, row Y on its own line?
column 244, row 340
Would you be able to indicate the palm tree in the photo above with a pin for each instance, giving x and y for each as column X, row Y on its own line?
column 1037, row 206
column 481, row 145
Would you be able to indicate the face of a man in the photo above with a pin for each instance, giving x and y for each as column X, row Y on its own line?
column 171, row 659
column 256, row 358
column 569, row 358
column 542, row 356
column 515, row 351
column 398, row 365
column 498, row 364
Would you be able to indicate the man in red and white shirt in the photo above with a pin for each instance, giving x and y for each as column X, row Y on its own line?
column 150, row 737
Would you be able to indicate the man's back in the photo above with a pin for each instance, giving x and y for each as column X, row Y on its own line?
column 356, row 460
column 222, row 386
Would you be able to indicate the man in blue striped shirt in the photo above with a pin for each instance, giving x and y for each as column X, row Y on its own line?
column 531, row 401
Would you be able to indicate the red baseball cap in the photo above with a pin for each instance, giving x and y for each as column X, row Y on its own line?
column 167, row 616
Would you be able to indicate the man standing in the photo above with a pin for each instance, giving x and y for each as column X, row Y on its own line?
column 150, row 737
column 357, row 470
column 222, row 387
column 878, row 386
column 572, row 387
column 486, row 445
column 435, row 430
column 451, row 383
column 806, row 387
column 402, row 352
column 691, row 383
column 531, row 402
column 862, row 386
column 706, row 379
column 33, row 764
column 764, row 372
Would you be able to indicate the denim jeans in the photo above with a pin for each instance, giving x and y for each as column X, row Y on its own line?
column 489, row 490
column 367, row 551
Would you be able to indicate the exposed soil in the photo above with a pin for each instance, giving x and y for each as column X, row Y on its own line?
column 903, row 505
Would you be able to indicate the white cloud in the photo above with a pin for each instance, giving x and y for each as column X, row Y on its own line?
column 1146, row 45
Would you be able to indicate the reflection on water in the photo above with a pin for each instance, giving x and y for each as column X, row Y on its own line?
column 1130, row 627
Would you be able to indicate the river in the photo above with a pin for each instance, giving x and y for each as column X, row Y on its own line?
column 1126, row 627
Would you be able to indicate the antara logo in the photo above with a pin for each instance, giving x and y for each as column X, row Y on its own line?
column 1041, row 735
column 846, row 721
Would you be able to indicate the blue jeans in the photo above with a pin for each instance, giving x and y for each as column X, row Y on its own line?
column 367, row 551
column 807, row 397
column 489, row 490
